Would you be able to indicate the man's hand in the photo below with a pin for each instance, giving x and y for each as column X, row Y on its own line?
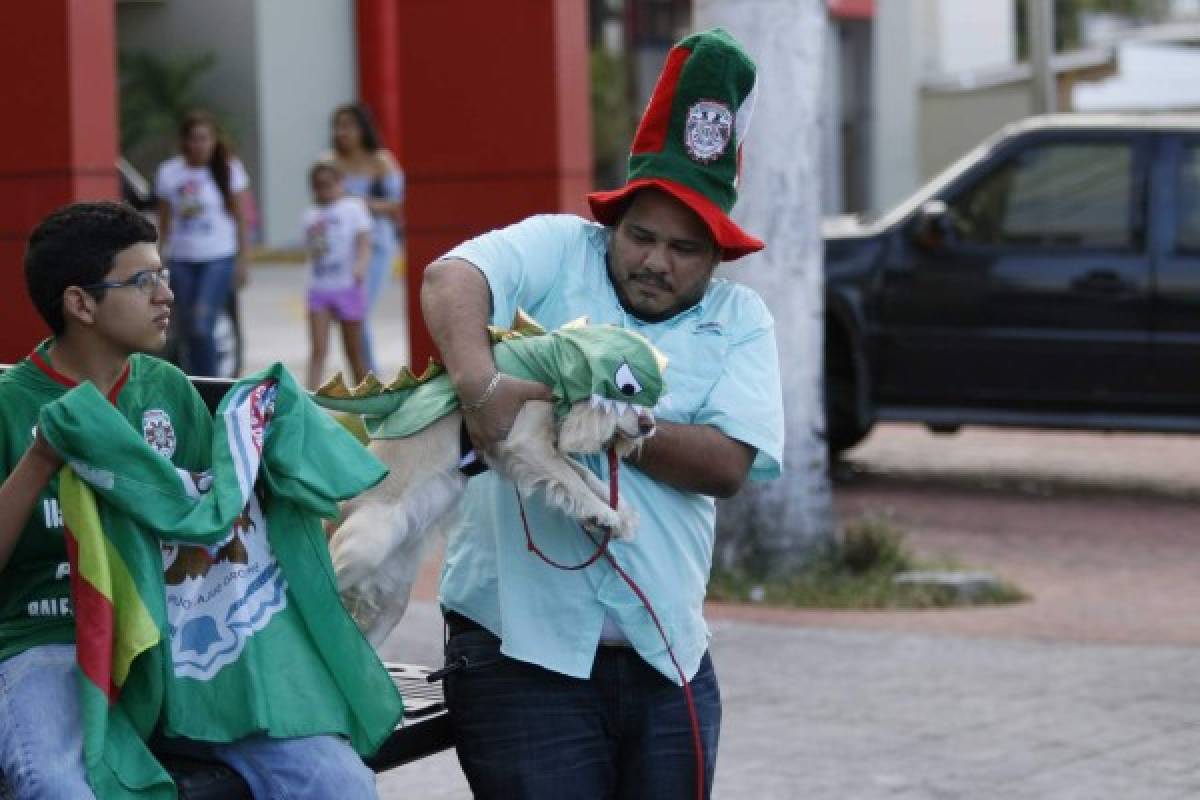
column 491, row 422
column 456, row 301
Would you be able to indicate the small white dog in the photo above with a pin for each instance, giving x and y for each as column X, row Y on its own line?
column 605, row 381
column 377, row 547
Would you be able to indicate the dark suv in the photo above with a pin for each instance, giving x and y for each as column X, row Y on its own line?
column 1050, row 278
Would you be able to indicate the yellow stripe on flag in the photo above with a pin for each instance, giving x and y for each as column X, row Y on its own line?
column 101, row 565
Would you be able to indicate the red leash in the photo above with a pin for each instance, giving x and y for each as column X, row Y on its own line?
column 602, row 550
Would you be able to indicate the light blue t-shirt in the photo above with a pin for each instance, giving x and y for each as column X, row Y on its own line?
column 723, row 371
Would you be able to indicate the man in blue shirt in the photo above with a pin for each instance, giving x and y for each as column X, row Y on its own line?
column 567, row 681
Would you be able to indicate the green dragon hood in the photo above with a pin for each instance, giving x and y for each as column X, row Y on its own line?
column 597, row 363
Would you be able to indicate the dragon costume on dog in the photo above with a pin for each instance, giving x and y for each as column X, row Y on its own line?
column 605, row 380
column 603, row 364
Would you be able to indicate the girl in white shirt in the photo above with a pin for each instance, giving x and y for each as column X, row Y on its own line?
column 337, row 232
column 202, row 234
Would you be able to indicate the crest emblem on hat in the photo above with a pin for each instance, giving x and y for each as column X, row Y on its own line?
column 159, row 432
column 707, row 131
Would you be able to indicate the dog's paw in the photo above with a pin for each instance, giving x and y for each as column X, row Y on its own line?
column 626, row 445
column 602, row 522
column 626, row 530
column 362, row 606
column 621, row 524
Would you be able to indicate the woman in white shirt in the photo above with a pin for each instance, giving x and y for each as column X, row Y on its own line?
column 202, row 227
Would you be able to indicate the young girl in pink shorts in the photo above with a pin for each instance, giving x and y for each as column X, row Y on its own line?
column 337, row 231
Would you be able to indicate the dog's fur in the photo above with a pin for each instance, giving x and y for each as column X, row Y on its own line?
column 377, row 547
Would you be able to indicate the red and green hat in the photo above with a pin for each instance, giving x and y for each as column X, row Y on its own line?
column 689, row 142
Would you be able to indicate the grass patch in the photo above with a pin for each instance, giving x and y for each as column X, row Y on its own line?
column 857, row 572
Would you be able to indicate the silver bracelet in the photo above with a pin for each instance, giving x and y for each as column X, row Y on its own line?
column 487, row 394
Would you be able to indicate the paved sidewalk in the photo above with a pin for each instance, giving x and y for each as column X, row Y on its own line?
column 860, row 715
column 275, row 323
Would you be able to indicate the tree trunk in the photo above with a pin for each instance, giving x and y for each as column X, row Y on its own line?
column 771, row 529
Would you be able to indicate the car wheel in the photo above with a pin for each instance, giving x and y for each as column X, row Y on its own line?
column 844, row 426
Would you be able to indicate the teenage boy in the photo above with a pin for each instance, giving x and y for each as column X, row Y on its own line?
column 93, row 273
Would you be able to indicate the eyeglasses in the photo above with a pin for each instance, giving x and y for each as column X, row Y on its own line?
column 147, row 280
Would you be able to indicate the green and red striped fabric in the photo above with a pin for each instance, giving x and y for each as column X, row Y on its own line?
column 114, row 624
column 114, row 627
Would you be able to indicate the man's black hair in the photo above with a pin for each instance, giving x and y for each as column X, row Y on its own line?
column 76, row 246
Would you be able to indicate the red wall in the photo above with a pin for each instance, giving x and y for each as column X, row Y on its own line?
column 58, row 143
column 378, row 77
column 493, row 116
column 852, row 9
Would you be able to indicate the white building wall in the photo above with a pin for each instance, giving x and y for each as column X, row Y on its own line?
column 916, row 41
column 955, row 122
column 829, row 118
column 281, row 68
column 306, row 65
column 896, row 82
column 223, row 27
column 960, row 36
column 1151, row 76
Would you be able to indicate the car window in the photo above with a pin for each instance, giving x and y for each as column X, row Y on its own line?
column 1075, row 194
column 1187, row 237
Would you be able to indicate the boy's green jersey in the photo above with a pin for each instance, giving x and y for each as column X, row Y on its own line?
column 158, row 401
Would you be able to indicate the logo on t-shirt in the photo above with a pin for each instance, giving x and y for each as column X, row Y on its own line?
column 190, row 204
column 317, row 235
column 159, row 432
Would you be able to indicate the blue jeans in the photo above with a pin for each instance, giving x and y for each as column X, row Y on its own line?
column 526, row 733
column 41, row 744
column 201, row 290
column 41, row 739
column 379, row 273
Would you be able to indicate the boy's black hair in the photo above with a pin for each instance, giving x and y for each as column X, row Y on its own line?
column 76, row 246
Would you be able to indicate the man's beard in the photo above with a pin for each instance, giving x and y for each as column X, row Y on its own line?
column 681, row 304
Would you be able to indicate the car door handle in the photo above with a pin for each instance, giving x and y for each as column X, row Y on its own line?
column 1102, row 281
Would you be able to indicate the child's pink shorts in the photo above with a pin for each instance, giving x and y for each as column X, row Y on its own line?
column 348, row 304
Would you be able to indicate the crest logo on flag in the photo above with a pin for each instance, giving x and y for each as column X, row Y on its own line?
column 262, row 408
column 218, row 597
column 159, row 432
column 709, row 126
